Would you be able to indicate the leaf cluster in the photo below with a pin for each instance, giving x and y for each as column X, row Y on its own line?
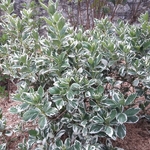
column 72, row 82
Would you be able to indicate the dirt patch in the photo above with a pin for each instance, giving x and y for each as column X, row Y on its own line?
column 13, row 121
column 137, row 138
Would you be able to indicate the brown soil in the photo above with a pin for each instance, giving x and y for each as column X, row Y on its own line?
column 12, row 122
column 137, row 138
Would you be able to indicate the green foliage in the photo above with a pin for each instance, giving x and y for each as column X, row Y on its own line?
column 3, row 93
column 64, row 76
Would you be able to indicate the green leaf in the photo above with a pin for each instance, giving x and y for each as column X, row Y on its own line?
column 98, row 59
column 92, row 81
column 42, row 122
column 147, row 117
column 57, row 16
column 24, row 106
column 59, row 102
column 121, row 118
column 112, row 114
column 121, row 131
column 60, row 133
column 56, row 42
column 76, row 129
column 44, row 6
column 67, row 142
column 51, row 111
column 100, row 89
column 59, row 143
column 104, row 62
column 54, row 90
column 91, row 61
column 13, row 110
column 75, row 86
column 77, row 145
column 30, row 114
column 84, row 132
column 2, row 126
column 49, row 22
column 87, row 45
column 33, row 132
column 61, row 24
column 98, row 119
column 145, row 17
column 136, row 82
column 133, row 119
column 70, row 95
column 1, row 115
column 41, row 91
column 146, row 44
column 130, row 99
column 73, row 103
column 95, row 128
column 132, row 111
column 28, row 97
column 47, row 105
column 110, row 102
column 24, row 58
column 51, row 9
column 109, row 131
column 12, row 20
